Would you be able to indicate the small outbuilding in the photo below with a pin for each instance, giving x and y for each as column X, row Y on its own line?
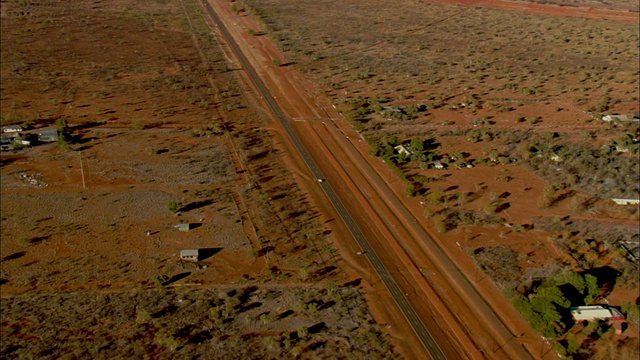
column 48, row 135
column 595, row 312
column 626, row 201
column 401, row 149
column 189, row 255
column 11, row 128
column 183, row 227
column 620, row 118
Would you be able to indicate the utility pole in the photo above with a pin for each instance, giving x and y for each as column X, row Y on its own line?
column 82, row 171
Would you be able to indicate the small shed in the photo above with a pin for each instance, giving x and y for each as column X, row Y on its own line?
column 621, row 118
column 626, row 201
column 11, row 128
column 48, row 135
column 189, row 255
column 595, row 312
column 183, row 227
column 555, row 157
column 401, row 149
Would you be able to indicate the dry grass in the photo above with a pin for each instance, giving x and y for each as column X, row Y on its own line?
column 158, row 118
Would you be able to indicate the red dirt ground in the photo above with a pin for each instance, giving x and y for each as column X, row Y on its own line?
column 291, row 85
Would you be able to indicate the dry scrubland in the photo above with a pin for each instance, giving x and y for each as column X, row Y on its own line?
column 510, row 103
column 160, row 132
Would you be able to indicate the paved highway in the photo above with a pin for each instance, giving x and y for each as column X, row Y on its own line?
column 412, row 317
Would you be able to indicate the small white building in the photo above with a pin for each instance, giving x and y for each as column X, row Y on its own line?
column 626, row 201
column 401, row 149
column 595, row 312
column 555, row 157
column 11, row 128
column 621, row 118
column 189, row 255
column 48, row 134
column 183, row 227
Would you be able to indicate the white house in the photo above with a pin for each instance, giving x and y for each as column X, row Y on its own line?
column 183, row 227
column 626, row 201
column 555, row 157
column 48, row 134
column 621, row 118
column 189, row 255
column 595, row 312
column 11, row 128
column 401, row 149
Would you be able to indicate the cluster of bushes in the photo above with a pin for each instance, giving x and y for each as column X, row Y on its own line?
column 596, row 170
column 173, row 323
column 422, row 151
column 500, row 263
column 408, row 112
column 455, row 217
column 546, row 305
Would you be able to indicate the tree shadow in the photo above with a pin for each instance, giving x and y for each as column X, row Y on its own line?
column 196, row 205
column 326, row 305
column 471, row 197
column 39, row 239
column 325, row 270
column 353, row 283
column 285, row 314
column 430, row 144
column 296, row 214
column 86, row 125
column 200, row 337
column 563, row 196
column 205, row 253
column 502, row 207
column 572, row 294
column 167, row 310
column 176, row 278
column 6, row 161
column 607, row 277
column 14, row 256
column 184, row 331
column 265, row 250
column 253, row 305
column 314, row 329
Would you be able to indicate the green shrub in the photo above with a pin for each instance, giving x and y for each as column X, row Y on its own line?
column 174, row 206
column 632, row 311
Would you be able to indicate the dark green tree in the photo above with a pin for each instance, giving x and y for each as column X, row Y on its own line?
column 417, row 144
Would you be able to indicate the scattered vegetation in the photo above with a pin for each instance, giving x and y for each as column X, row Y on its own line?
column 171, row 322
column 174, row 206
